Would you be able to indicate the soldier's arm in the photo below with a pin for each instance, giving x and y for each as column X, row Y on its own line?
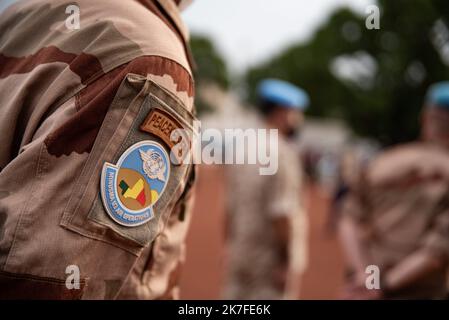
column 415, row 267
column 431, row 256
column 94, row 128
column 282, row 210
column 352, row 231
column 282, row 230
column 350, row 234
column 281, row 227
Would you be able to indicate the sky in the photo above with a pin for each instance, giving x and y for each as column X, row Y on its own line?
column 247, row 32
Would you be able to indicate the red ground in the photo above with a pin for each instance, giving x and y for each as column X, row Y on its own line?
column 202, row 274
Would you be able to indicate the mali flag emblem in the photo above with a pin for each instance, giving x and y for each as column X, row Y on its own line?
column 137, row 192
column 130, row 188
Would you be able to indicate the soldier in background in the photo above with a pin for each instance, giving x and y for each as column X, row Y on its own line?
column 266, row 224
column 72, row 103
column 396, row 216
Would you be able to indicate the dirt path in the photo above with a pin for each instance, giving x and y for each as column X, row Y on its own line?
column 202, row 274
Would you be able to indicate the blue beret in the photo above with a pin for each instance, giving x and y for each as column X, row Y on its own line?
column 438, row 94
column 283, row 94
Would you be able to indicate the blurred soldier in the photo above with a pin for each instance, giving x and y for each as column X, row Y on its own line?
column 90, row 205
column 397, row 215
column 266, row 224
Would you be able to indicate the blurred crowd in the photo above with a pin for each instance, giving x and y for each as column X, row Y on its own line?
column 362, row 116
column 389, row 207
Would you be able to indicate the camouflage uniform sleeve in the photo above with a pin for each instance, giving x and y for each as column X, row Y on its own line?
column 100, row 192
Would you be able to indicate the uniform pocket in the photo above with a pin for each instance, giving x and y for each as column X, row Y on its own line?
column 128, row 186
column 24, row 286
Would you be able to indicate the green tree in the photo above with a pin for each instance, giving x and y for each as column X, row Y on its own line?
column 389, row 71
column 210, row 67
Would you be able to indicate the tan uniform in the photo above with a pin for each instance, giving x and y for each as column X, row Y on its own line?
column 253, row 201
column 70, row 101
column 403, row 201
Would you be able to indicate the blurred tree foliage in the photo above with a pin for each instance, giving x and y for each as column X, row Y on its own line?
column 373, row 79
column 210, row 68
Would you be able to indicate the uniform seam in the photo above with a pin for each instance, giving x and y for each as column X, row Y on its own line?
column 116, row 64
column 24, row 210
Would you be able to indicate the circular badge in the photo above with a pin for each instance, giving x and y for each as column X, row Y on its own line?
column 130, row 188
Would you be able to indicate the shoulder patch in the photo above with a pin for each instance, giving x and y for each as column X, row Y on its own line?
column 161, row 124
column 130, row 188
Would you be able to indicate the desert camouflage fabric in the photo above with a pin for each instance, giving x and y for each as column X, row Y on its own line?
column 253, row 201
column 402, row 202
column 71, row 100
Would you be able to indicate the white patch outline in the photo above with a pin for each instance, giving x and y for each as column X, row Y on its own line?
column 117, row 166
